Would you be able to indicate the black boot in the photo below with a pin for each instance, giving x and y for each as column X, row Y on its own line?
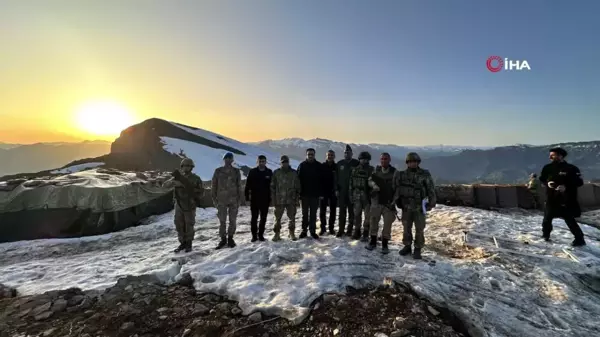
column 261, row 237
column 230, row 242
column 349, row 230
column 340, row 232
column 180, row 248
column 384, row 246
column 331, row 230
column 546, row 237
column 356, row 235
column 303, row 234
column 254, row 238
column 188, row 246
column 365, row 236
column 405, row 251
column 373, row 243
column 314, row 235
column 222, row 243
column 578, row 242
column 417, row 254
column 323, row 231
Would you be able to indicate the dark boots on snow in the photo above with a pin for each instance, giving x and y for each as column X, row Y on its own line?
column 303, row 234
column 405, row 251
column 254, row 238
column 578, row 242
column 230, row 242
column 417, row 254
column 180, row 248
column 314, row 235
column 384, row 246
column 188, row 246
column 222, row 243
column 373, row 243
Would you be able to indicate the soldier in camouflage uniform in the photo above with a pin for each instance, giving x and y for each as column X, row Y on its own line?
column 411, row 187
column 186, row 194
column 534, row 186
column 345, row 167
column 285, row 193
column 360, row 192
column 227, row 196
column 381, row 183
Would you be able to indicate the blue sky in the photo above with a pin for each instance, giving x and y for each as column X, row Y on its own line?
column 404, row 71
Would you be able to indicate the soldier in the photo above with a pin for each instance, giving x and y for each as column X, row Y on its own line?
column 345, row 167
column 227, row 196
column 563, row 180
column 285, row 194
column 412, row 186
column 382, row 203
column 187, row 194
column 360, row 192
column 533, row 186
column 329, row 182
column 258, row 193
column 310, row 174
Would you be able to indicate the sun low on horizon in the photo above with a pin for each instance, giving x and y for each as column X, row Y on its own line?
column 103, row 118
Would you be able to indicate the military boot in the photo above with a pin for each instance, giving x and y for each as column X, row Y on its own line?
column 405, row 251
column 222, row 243
column 417, row 254
column 292, row 235
column 365, row 236
column 349, row 230
column 356, row 235
column 578, row 242
column 230, row 242
column 373, row 243
column 180, row 248
column 188, row 247
column 384, row 246
column 276, row 237
column 331, row 230
column 254, row 238
column 340, row 232
column 303, row 234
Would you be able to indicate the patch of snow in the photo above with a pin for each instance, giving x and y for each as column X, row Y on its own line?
column 207, row 159
column 77, row 168
column 516, row 289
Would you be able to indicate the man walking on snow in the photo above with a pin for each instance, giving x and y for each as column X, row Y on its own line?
column 382, row 203
column 563, row 180
column 187, row 194
column 226, row 192
column 329, row 194
column 310, row 174
column 258, row 193
column 285, row 193
column 411, row 187
column 345, row 167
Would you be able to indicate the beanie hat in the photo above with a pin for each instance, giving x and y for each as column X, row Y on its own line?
column 348, row 148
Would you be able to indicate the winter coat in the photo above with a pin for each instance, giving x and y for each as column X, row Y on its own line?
column 411, row 186
column 285, row 187
column 258, row 186
column 557, row 203
column 310, row 174
column 226, row 186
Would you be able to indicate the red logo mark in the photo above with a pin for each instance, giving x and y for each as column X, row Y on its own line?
column 491, row 67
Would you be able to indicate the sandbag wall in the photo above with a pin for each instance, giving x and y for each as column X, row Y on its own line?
column 507, row 196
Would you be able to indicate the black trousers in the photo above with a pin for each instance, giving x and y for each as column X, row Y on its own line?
column 257, row 209
column 330, row 201
column 346, row 208
column 310, row 206
column 551, row 214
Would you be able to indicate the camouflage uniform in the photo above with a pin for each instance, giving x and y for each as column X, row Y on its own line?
column 411, row 187
column 185, row 199
column 533, row 186
column 382, row 202
column 360, row 193
column 285, row 193
column 227, row 195
column 344, row 198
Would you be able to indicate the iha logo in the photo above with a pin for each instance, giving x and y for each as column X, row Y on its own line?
column 496, row 63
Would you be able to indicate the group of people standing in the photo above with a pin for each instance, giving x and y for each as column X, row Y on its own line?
column 364, row 195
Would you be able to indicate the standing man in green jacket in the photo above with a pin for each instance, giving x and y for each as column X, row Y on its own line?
column 412, row 187
column 345, row 167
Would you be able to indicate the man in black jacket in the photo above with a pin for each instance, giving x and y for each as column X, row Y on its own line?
column 310, row 173
column 329, row 182
column 258, row 192
column 562, row 180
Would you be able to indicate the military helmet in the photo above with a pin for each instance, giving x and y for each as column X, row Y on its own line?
column 364, row 155
column 413, row 156
column 187, row 161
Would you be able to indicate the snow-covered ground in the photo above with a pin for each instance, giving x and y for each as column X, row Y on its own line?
column 515, row 289
column 207, row 159
column 77, row 168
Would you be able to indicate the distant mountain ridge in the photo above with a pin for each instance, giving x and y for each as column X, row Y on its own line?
column 459, row 164
column 17, row 158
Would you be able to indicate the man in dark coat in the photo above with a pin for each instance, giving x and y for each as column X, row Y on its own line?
column 562, row 180
column 329, row 182
column 311, row 191
column 258, row 192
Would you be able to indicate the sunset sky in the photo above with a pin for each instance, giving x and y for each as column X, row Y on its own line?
column 403, row 71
